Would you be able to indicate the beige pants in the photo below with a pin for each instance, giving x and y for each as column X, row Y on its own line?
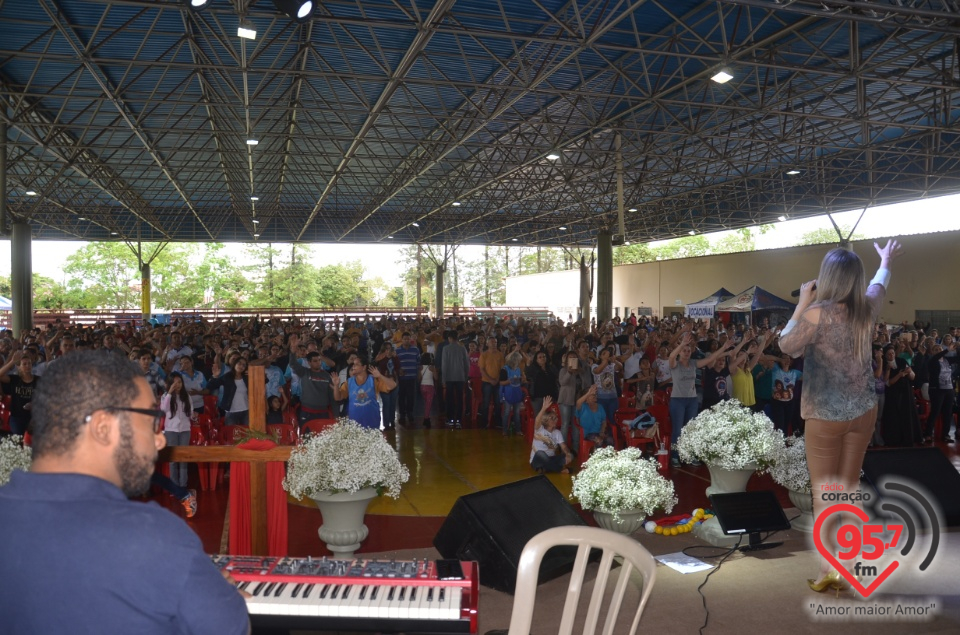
column 835, row 451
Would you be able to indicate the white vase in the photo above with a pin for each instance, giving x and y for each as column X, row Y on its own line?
column 804, row 502
column 724, row 481
column 631, row 521
column 343, row 529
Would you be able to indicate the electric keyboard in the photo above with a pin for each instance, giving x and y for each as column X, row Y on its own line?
column 391, row 596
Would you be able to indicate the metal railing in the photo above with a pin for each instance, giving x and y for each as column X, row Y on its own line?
column 90, row 317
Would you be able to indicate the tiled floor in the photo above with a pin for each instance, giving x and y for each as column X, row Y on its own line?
column 444, row 464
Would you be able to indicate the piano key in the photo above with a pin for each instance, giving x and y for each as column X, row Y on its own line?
column 418, row 609
column 351, row 607
column 403, row 603
column 393, row 603
column 454, row 603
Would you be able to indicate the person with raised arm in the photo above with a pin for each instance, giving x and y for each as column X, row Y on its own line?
column 832, row 328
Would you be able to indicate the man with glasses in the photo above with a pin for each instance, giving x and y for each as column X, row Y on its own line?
column 113, row 565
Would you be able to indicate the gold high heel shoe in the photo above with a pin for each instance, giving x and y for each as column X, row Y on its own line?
column 832, row 580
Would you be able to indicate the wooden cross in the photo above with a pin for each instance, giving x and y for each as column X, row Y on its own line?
column 256, row 393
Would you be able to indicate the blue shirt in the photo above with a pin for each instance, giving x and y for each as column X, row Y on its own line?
column 409, row 361
column 79, row 558
column 363, row 406
column 591, row 421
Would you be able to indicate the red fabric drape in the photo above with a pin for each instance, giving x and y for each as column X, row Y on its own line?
column 240, row 541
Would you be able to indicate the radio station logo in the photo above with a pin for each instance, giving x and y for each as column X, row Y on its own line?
column 867, row 553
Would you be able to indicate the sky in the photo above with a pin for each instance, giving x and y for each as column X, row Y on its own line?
column 916, row 217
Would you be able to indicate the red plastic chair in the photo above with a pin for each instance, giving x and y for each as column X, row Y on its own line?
column 621, row 417
column 290, row 416
column 626, row 402
column 661, row 413
column 208, row 472
column 662, row 397
column 4, row 418
column 285, row 433
column 210, row 407
column 586, row 447
column 231, row 435
column 316, row 426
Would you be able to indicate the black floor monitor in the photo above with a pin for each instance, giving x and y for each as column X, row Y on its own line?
column 750, row 513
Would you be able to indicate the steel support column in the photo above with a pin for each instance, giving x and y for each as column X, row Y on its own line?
column 604, row 277
column 145, row 292
column 439, row 308
column 21, row 278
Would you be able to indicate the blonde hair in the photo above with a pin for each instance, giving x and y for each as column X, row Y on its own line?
column 843, row 281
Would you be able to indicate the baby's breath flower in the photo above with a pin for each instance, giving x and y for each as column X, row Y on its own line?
column 790, row 468
column 731, row 436
column 345, row 457
column 613, row 482
column 13, row 456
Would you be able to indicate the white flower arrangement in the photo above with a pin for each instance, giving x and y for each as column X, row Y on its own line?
column 345, row 457
column 790, row 468
column 14, row 455
column 613, row 482
column 730, row 436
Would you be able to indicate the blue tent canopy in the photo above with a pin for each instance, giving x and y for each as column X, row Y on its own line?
column 5, row 304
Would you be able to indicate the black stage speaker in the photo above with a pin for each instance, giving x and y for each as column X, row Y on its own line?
column 493, row 526
column 927, row 467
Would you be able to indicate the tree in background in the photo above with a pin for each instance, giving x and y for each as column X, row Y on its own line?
column 827, row 235
column 190, row 275
column 103, row 274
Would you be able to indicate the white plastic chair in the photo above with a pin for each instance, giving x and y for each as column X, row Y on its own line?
column 634, row 555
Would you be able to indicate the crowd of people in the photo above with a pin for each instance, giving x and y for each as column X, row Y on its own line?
column 388, row 371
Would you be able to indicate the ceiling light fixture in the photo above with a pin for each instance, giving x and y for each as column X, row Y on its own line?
column 82, row 218
column 254, row 198
column 31, row 193
column 255, row 221
column 390, row 237
column 415, row 224
column 632, row 209
column 113, row 233
column 298, row 10
column 256, row 235
column 196, row 4
column 563, row 228
column 456, row 203
column 692, row 232
column 722, row 76
column 252, row 142
column 553, row 156
column 793, row 172
column 781, row 218
column 247, row 30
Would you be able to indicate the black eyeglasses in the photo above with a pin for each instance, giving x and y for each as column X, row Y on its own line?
column 156, row 414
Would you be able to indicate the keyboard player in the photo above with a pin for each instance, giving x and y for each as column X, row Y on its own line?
column 78, row 557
